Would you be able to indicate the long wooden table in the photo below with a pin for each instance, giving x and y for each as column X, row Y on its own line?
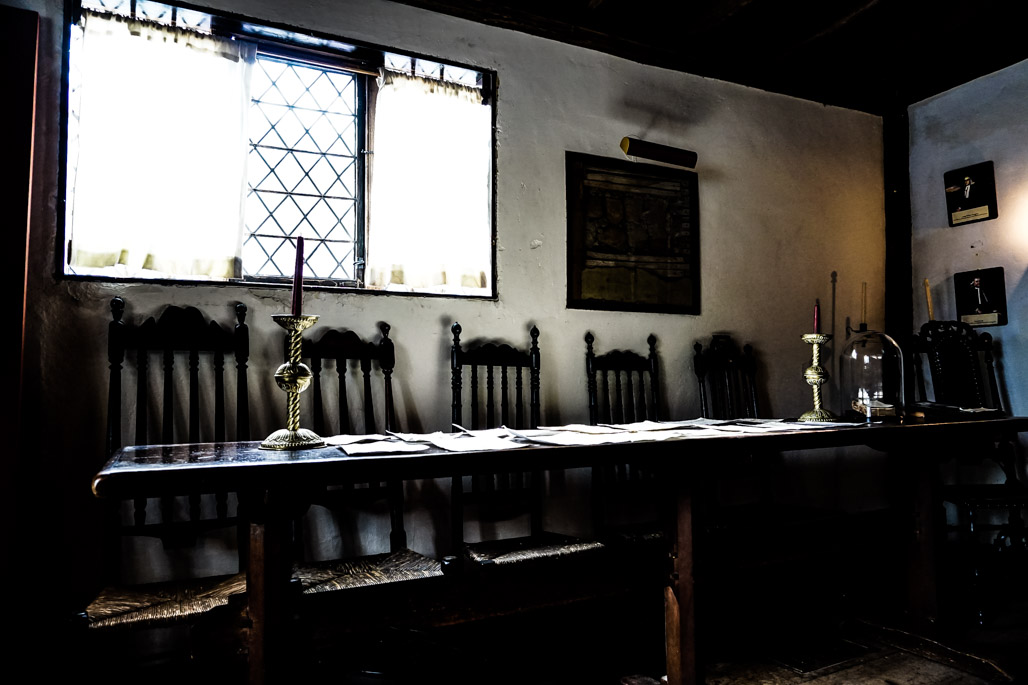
column 271, row 486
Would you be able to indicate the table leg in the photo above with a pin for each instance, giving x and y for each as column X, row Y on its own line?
column 926, row 509
column 268, row 574
column 679, row 598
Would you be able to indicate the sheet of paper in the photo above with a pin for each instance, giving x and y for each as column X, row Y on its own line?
column 350, row 439
column 656, row 425
column 501, row 432
column 575, row 438
column 382, row 447
column 462, row 442
column 417, row 437
column 584, row 428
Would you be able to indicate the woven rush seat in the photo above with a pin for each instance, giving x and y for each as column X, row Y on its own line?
column 379, row 569
column 162, row 603
column 512, row 551
column 633, row 535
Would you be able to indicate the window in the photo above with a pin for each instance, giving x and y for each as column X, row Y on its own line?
column 200, row 147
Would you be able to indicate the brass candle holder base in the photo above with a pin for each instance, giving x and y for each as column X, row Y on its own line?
column 293, row 377
column 816, row 376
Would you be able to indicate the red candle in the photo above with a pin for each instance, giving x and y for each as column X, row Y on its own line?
column 817, row 316
column 298, row 279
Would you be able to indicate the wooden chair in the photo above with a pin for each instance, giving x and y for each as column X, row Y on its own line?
column 502, row 496
column 339, row 348
column 180, row 341
column 757, row 547
column 726, row 378
column 961, row 366
column 624, row 387
column 991, row 544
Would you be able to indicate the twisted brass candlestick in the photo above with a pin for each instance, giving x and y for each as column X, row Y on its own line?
column 293, row 377
column 816, row 376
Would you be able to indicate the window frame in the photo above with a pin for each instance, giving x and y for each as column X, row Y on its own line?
column 363, row 60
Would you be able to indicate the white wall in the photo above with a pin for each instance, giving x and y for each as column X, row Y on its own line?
column 790, row 191
column 980, row 121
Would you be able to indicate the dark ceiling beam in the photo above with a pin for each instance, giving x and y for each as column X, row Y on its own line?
column 521, row 17
column 711, row 18
column 837, row 52
column 841, row 23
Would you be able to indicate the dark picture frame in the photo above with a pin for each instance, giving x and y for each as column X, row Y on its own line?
column 981, row 297
column 971, row 194
column 633, row 236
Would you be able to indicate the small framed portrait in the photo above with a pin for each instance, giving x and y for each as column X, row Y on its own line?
column 971, row 194
column 981, row 297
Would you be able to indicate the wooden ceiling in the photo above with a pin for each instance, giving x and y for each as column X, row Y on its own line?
column 876, row 56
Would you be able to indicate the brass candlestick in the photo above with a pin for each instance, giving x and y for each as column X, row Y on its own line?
column 816, row 376
column 293, row 377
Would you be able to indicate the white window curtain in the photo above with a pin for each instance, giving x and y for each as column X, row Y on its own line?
column 159, row 179
column 429, row 223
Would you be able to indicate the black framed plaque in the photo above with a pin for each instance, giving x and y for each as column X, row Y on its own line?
column 981, row 297
column 633, row 236
column 971, row 194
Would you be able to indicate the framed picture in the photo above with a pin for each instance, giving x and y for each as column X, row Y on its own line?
column 981, row 297
column 633, row 236
column 971, row 194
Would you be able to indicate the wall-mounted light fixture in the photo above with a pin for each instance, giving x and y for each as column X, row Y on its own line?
column 633, row 147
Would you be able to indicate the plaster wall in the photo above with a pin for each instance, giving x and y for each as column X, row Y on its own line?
column 977, row 122
column 790, row 192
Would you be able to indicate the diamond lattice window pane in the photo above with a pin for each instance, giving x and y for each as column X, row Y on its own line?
column 258, row 168
column 292, row 130
column 257, row 213
column 325, row 94
column 284, row 257
column 465, row 77
column 289, row 85
column 113, row 6
column 397, row 62
column 346, row 210
column 301, row 122
column 193, row 19
column 428, row 69
column 323, row 133
column 288, row 215
column 263, row 118
column 154, row 11
column 324, row 221
column 323, row 175
column 345, row 128
column 347, row 170
column 347, row 102
column 289, row 172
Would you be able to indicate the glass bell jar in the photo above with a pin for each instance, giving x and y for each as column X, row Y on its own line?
column 871, row 377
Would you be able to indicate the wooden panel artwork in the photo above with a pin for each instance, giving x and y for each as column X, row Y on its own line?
column 633, row 236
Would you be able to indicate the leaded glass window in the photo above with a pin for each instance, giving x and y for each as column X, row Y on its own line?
column 284, row 130
column 302, row 170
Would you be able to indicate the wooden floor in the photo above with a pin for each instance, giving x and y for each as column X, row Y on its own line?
column 586, row 646
column 604, row 645
column 801, row 623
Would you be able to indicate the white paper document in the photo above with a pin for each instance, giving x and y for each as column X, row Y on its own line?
column 584, row 428
column 382, row 447
column 464, row 442
column 350, row 439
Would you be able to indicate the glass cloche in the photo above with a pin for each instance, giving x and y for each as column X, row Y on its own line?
column 871, row 377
